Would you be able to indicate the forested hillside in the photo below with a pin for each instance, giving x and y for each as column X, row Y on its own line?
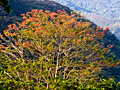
column 23, row 6
column 114, row 23
column 108, row 12
column 106, row 8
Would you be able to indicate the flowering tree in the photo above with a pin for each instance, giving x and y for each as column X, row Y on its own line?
column 48, row 45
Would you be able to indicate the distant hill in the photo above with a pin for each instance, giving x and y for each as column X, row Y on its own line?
column 23, row 6
column 108, row 12
column 106, row 8
column 104, row 22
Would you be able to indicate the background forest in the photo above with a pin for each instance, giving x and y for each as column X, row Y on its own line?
column 103, row 13
column 101, row 56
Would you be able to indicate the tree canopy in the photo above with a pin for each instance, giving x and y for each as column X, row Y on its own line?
column 5, row 4
column 48, row 49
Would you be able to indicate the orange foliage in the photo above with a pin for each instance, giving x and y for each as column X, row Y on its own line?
column 107, row 28
column 52, row 14
column 26, row 44
column 79, row 23
column 98, row 28
column 73, row 33
column 82, row 16
column 47, row 11
column 110, row 46
column 46, row 33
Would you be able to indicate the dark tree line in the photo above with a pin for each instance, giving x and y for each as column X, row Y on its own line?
column 5, row 4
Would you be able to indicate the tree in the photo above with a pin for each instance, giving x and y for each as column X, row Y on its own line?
column 5, row 4
column 47, row 46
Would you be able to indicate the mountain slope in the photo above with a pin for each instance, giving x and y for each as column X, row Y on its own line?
column 104, row 22
column 92, row 9
column 23, row 6
column 106, row 8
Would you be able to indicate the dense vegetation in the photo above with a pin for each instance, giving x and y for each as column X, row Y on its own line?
column 103, row 22
column 24, row 6
column 5, row 4
column 51, row 51
column 103, row 13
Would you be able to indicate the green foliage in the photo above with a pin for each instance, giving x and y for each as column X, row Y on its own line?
column 24, row 6
column 22, row 67
column 66, row 84
column 5, row 4
column 101, row 84
column 43, row 53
